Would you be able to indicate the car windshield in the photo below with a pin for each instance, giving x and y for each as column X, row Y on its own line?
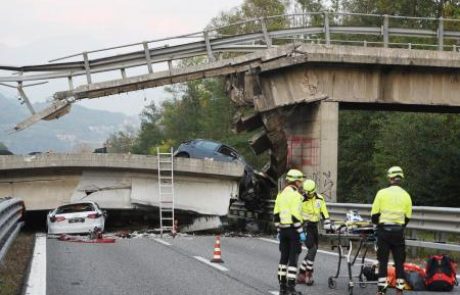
column 207, row 145
column 75, row 208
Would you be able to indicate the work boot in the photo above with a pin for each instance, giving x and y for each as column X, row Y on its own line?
column 309, row 278
column 301, row 277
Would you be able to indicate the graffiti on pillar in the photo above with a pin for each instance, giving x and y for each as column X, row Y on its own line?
column 302, row 151
column 304, row 154
column 324, row 183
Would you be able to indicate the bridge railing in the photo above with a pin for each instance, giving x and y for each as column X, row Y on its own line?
column 11, row 212
column 248, row 36
column 430, row 227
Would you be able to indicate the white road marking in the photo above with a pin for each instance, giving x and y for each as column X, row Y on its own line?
column 215, row 265
column 320, row 251
column 36, row 283
column 162, row 242
column 274, row 292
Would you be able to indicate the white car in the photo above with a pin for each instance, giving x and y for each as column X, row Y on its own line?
column 76, row 218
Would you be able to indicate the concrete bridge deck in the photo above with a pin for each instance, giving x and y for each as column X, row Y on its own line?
column 117, row 181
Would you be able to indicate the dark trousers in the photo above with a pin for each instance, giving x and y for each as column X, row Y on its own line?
column 290, row 246
column 391, row 238
column 312, row 245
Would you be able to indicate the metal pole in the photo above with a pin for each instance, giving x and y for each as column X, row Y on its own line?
column 268, row 41
column 25, row 98
column 87, row 69
column 208, row 46
column 147, row 56
column 326, row 28
column 385, row 30
column 441, row 34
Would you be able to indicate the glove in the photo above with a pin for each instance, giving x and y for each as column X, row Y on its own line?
column 327, row 225
column 303, row 237
column 278, row 236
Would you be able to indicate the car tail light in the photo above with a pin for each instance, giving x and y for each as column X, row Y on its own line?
column 58, row 218
column 94, row 215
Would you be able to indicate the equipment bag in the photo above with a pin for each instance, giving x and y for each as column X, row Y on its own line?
column 440, row 273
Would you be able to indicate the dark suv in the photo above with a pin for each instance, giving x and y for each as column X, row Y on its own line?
column 254, row 185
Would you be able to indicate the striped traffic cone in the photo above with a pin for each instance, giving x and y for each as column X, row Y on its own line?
column 217, row 256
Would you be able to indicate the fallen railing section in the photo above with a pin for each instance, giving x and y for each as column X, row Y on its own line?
column 11, row 213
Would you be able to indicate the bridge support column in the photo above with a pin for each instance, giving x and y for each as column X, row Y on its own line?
column 312, row 135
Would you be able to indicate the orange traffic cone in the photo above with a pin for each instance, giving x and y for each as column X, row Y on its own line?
column 217, row 256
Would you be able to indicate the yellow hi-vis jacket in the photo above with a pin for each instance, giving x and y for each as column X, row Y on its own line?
column 393, row 204
column 287, row 208
column 314, row 208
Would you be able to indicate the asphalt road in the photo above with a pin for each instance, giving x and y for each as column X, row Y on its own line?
column 148, row 266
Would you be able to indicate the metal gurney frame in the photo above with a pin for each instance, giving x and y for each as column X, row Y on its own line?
column 366, row 238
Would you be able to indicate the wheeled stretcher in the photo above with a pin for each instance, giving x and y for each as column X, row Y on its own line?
column 344, row 238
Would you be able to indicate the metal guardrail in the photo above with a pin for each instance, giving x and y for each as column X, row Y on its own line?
column 438, row 221
column 249, row 36
column 11, row 213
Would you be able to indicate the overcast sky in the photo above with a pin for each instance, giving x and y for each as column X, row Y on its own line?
column 35, row 31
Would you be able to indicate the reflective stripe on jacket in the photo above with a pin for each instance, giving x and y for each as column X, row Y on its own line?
column 288, row 206
column 313, row 208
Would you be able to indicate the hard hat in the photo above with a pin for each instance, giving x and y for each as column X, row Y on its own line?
column 395, row 171
column 294, row 175
column 309, row 186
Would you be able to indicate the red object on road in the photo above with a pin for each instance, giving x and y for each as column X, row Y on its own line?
column 68, row 238
column 217, row 256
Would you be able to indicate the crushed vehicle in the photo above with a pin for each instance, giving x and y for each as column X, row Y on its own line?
column 254, row 186
column 76, row 218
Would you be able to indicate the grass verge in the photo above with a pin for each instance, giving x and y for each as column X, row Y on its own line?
column 13, row 270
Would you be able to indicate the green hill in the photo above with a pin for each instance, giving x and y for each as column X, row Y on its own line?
column 82, row 128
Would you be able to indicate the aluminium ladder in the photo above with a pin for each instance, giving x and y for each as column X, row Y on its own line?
column 166, row 190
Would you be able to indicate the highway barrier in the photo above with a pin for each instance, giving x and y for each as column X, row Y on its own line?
column 11, row 214
column 439, row 222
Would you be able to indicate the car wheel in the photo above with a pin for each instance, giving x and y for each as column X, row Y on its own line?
column 183, row 155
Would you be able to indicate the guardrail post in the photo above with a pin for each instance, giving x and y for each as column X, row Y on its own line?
column 385, row 30
column 409, row 46
column 441, row 33
column 267, row 39
column 69, row 79
column 170, row 66
column 365, row 43
column 123, row 73
column 327, row 32
column 413, row 235
column 454, row 48
column 208, row 46
column 87, row 69
column 147, row 56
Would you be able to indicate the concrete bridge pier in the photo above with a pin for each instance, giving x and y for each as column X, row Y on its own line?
column 312, row 138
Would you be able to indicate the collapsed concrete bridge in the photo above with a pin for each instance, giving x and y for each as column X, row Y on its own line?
column 296, row 90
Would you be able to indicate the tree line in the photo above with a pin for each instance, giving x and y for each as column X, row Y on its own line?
column 426, row 146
